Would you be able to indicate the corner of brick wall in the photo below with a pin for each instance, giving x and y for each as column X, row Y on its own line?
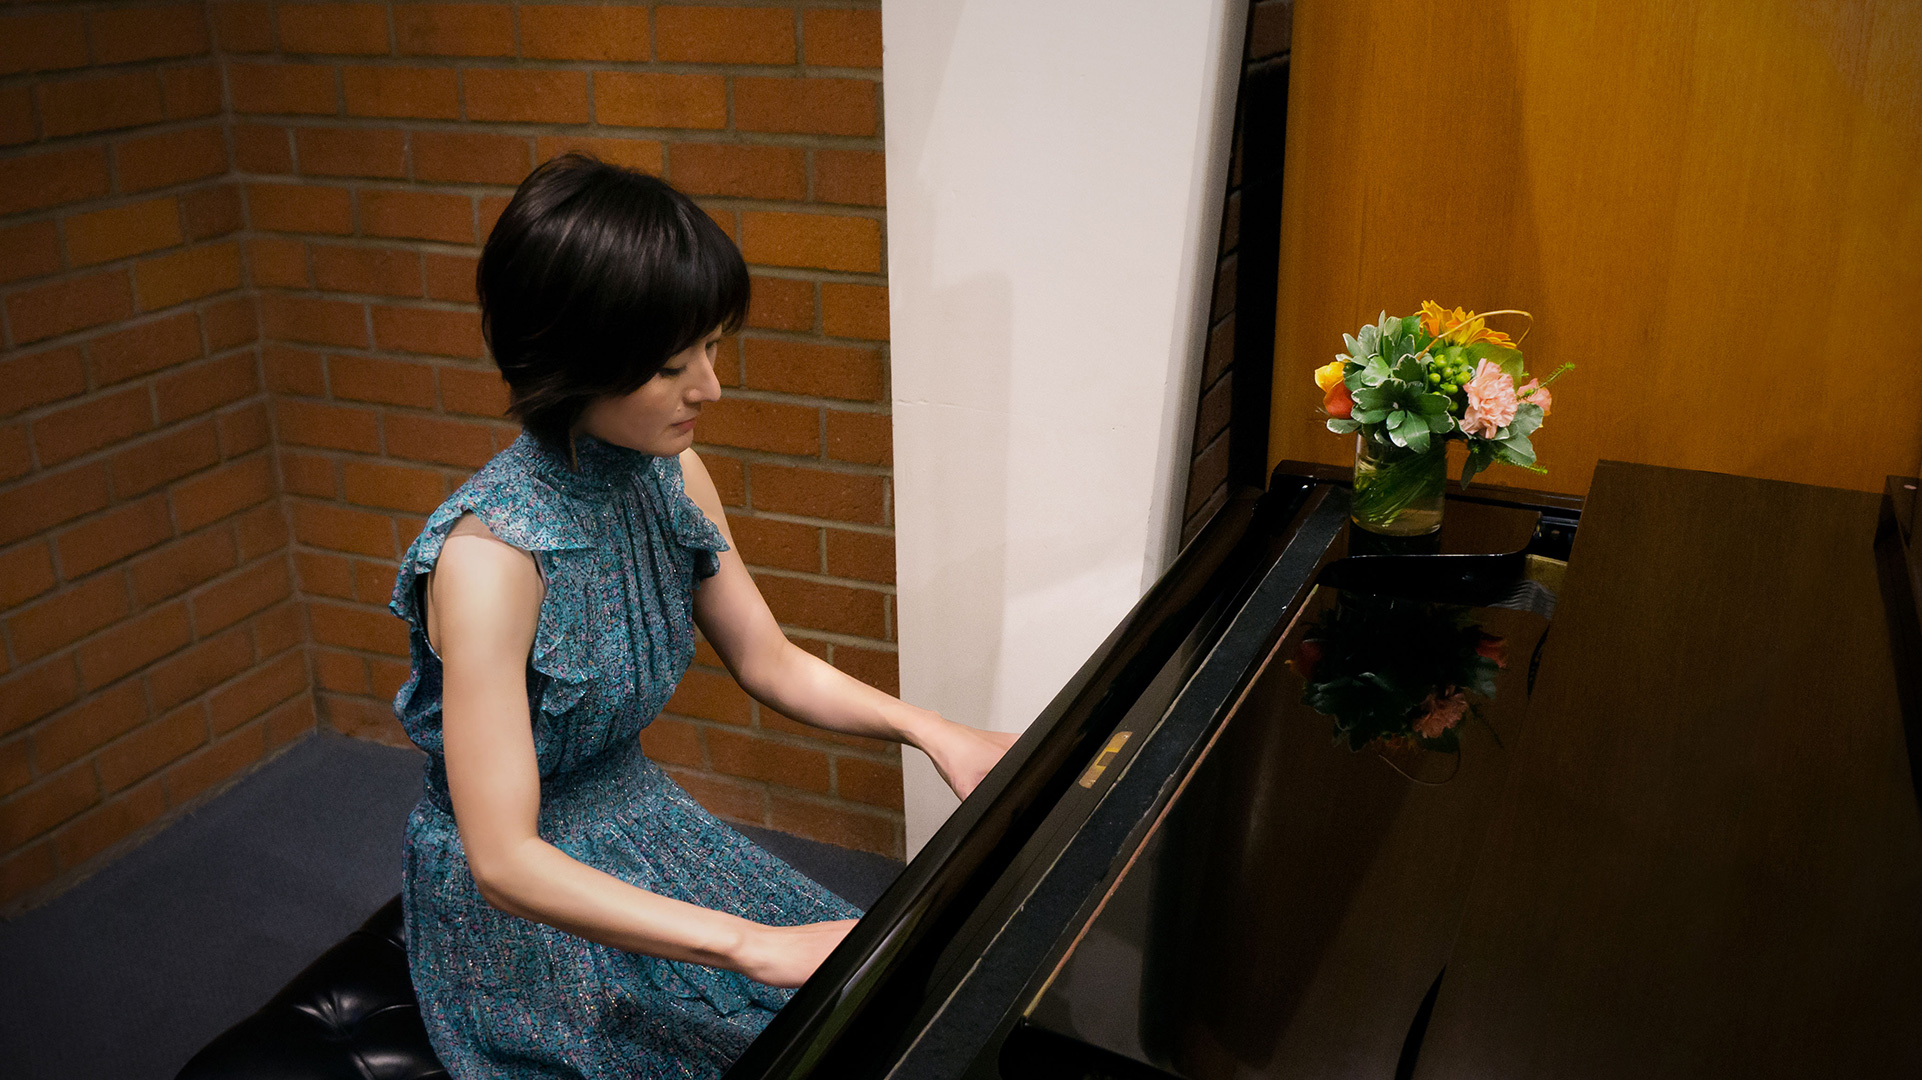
column 152, row 644
column 376, row 143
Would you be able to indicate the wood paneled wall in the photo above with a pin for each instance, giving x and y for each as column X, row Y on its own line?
column 1714, row 209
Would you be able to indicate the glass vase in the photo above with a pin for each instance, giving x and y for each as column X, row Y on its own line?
column 1398, row 491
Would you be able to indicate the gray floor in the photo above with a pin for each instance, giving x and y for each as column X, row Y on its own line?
column 132, row 971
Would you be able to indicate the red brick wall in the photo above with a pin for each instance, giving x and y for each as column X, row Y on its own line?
column 241, row 361
column 152, row 645
column 375, row 143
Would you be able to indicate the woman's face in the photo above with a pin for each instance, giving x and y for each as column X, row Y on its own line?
column 659, row 418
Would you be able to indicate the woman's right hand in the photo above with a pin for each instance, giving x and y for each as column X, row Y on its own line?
column 786, row 955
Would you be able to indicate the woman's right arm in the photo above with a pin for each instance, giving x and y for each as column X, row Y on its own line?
column 484, row 600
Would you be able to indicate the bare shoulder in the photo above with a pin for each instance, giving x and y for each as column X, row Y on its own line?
column 700, row 488
column 471, row 548
column 483, row 589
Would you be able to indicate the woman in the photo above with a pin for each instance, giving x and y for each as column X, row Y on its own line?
column 570, row 910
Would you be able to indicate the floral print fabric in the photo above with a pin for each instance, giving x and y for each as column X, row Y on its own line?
column 621, row 549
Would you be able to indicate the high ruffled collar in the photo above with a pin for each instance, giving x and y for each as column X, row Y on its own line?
column 592, row 468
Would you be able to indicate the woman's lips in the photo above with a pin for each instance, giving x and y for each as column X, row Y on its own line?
column 686, row 425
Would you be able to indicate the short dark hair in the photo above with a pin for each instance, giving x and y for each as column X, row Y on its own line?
column 593, row 278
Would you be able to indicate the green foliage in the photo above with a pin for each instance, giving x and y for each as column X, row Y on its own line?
column 1509, row 360
column 1387, row 371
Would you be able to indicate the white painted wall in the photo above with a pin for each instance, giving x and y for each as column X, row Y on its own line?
column 1055, row 170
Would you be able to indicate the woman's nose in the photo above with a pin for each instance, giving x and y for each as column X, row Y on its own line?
column 706, row 385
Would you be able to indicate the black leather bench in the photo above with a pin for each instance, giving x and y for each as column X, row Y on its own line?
column 351, row 1015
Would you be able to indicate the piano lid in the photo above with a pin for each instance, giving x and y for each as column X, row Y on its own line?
column 1694, row 850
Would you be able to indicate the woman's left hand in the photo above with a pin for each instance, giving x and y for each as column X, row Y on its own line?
column 963, row 755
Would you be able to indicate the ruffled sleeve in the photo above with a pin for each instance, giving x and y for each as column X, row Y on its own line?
column 691, row 527
column 536, row 519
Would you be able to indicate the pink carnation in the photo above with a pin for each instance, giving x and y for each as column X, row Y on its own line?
column 1534, row 393
column 1442, row 713
column 1491, row 401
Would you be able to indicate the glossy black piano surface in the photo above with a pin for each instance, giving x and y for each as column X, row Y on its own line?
column 1681, row 839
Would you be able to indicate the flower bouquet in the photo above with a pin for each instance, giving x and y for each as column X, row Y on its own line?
column 1393, row 672
column 1408, row 385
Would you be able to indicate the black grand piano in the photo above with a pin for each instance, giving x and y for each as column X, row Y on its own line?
column 1680, row 839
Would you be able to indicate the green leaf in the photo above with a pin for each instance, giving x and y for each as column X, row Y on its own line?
column 1342, row 427
column 1369, row 416
column 1409, row 370
column 1509, row 360
column 1442, row 424
column 1410, row 325
column 1527, row 419
column 1415, row 434
column 1432, row 404
column 1366, row 343
column 1516, row 450
column 1481, row 454
column 1371, row 397
column 1375, row 372
column 1354, row 347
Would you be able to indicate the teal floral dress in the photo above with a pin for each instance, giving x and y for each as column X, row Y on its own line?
column 621, row 549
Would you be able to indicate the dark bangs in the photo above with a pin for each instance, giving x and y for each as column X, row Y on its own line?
column 594, row 277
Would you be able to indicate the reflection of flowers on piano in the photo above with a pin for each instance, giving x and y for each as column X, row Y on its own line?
column 1441, row 713
column 1389, row 670
column 1493, row 648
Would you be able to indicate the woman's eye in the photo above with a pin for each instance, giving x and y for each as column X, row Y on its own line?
column 672, row 372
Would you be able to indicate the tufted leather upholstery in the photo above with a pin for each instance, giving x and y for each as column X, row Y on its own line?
column 350, row 1016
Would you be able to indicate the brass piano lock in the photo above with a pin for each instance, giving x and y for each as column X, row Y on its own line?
column 1101, row 760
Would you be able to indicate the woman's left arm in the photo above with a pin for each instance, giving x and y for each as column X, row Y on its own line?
column 736, row 620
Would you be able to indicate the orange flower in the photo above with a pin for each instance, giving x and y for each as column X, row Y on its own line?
column 1433, row 316
column 1459, row 327
column 1339, row 403
column 1328, row 374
